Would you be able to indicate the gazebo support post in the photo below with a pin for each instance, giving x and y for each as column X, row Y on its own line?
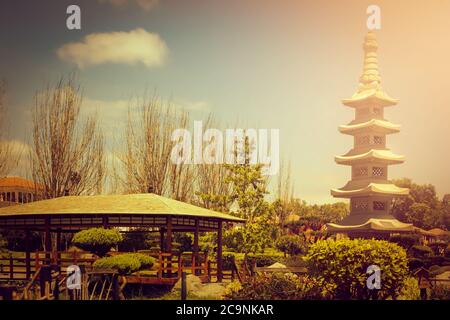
column 196, row 261
column 27, row 255
column 48, row 242
column 161, row 239
column 219, row 252
column 58, row 248
column 169, row 245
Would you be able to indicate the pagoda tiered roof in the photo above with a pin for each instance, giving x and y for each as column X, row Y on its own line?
column 386, row 156
column 370, row 224
column 374, row 96
column 373, row 124
column 370, row 192
column 370, row 189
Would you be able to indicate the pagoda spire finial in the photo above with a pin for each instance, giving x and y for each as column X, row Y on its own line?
column 370, row 79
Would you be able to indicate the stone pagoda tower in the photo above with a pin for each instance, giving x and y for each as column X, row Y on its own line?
column 369, row 190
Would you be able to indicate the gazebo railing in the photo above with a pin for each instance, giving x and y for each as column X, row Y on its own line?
column 168, row 265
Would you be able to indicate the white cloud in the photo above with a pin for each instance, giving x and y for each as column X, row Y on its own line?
column 187, row 105
column 147, row 5
column 136, row 46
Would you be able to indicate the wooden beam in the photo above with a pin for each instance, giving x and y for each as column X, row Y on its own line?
column 27, row 255
column 161, row 239
column 195, row 260
column 48, row 241
column 169, row 245
column 169, row 235
column 219, row 252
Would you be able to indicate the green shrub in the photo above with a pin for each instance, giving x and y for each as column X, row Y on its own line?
column 405, row 240
column 291, row 245
column 421, row 251
column 340, row 267
column 273, row 286
column 410, row 289
column 97, row 240
column 125, row 263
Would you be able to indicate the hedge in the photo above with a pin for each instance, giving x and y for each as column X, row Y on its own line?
column 125, row 263
column 97, row 240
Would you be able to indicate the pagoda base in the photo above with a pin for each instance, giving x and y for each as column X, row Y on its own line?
column 369, row 225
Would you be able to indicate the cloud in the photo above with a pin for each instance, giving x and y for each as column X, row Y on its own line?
column 187, row 105
column 133, row 47
column 147, row 5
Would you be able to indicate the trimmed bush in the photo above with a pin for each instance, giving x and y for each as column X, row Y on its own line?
column 340, row 267
column 125, row 263
column 421, row 251
column 291, row 245
column 97, row 240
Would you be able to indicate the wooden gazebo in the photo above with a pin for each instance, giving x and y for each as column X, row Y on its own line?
column 73, row 213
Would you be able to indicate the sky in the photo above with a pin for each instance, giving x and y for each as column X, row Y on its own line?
column 260, row 63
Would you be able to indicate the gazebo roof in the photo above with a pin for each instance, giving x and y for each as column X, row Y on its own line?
column 131, row 204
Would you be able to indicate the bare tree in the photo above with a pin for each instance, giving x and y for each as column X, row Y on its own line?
column 146, row 158
column 182, row 176
column 285, row 194
column 68, row 153
column 9, row 158
column 212, row 186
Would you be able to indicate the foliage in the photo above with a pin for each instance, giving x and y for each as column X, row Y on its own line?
column 293, row 261
column 125, row 263
column 421, row 207
column 249, row 188
column 135, row 240
column 340, row 267
column 438, row 247
column 447, row 252
column 405, row 240
column 228, row 260
column 15, row 240
column 263, row 259
column 97, row 240
column 315, row 216
column 274, row 286
column 291, row 244
column 410, row 289
column 419, row 251
column 185, row 241
column 439, row 292
column 3, row 243
column 233, row 239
